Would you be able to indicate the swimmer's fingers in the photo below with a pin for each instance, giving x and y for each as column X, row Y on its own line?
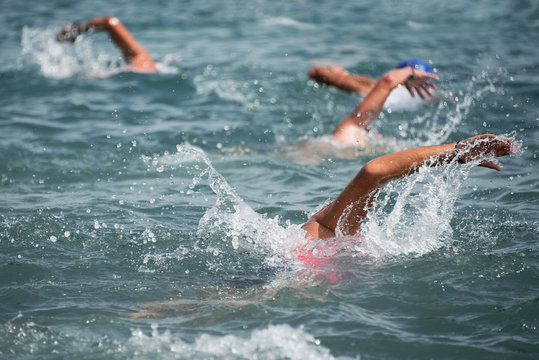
column 421, row 89
column 420, row 93
column 409, row 88
column 490, row 165
column 424, row 74
column 425, row 87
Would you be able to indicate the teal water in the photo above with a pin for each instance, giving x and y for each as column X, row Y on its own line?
column 153, row 216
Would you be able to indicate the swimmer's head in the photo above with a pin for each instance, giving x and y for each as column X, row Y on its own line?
column 415, row 63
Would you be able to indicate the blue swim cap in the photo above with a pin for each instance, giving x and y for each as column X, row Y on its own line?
column 415, row 63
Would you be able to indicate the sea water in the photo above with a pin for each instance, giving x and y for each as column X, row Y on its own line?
column 155, row 216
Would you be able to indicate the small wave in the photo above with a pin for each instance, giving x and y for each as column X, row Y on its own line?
column 240, row 92
column 273, row 342
column 168, row 64
column 286, row 21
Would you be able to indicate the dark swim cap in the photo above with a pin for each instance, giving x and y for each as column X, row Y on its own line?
column 415, row 63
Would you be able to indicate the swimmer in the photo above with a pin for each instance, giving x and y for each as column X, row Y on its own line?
column 353, row 133
column 136, row 57
column 359, row 195
column 354, row 128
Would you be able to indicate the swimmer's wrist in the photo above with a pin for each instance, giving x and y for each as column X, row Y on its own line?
column 458, row 153
column 82, row 27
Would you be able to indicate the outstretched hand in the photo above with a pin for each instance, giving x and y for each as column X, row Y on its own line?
column 415, row 81
column 484, row 146
column 69, row 32
column 420, row 81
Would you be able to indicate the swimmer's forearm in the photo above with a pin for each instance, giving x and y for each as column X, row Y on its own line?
column 396, row 165
column 478, row 148
column 342, row 80
column 369, row 107
column 103, row 23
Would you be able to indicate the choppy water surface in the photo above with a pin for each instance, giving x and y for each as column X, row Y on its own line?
column 155, row 216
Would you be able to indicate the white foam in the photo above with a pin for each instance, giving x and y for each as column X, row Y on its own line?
column 273, row 342
column 286, row 21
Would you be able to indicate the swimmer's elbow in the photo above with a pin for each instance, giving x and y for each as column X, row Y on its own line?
column 374, row 169
column 377, row 172
column 386, row 81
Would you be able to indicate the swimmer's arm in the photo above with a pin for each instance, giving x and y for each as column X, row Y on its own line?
column 368, row 109
column 134, row 54
column 361, row 191
column 342, row 79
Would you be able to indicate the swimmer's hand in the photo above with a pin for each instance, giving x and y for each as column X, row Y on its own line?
column 484, row 147
column 415, row 81
column 420, row 81
column 70, row 32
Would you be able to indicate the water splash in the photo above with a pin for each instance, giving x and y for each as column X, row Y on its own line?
column 230, row 225
column 412, row 216
column 55, row 60
column 453, row 108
